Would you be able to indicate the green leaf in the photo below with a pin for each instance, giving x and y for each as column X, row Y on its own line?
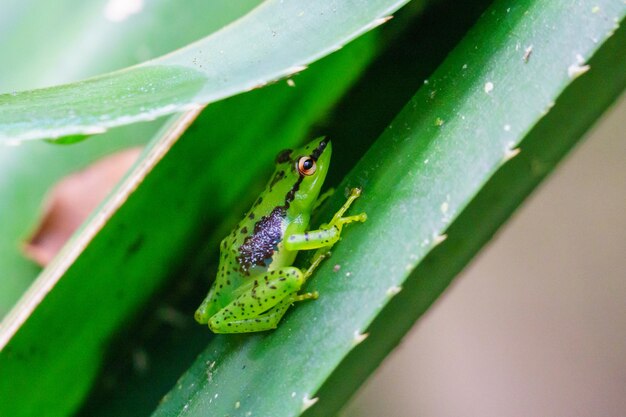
column 275, row 40
column 196, row 176
column 84, row 39
column 442, row 167
column 29, row 170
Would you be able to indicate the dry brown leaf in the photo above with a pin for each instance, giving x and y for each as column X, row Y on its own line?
column 72, row 199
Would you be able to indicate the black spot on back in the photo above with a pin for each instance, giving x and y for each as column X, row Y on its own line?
column 283, row 156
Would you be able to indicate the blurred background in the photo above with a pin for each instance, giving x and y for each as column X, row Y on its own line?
column 536, row 325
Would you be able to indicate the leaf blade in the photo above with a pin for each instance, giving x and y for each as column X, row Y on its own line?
column 219, row 66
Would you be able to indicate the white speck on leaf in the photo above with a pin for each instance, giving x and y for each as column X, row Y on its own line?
column 209, row 371
column 379, row 21
column 444, row 207
column 488, row 87
column 391, row 291
column 527, row 52
column 438, row 239
column 507, row 128
column 237, row 405
column 308, row 402
column 359, row 337
column 290, row 82
column 296, row 69
column 576, row 70
column 510, row 152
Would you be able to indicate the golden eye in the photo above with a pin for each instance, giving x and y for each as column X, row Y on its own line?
column 306, row 165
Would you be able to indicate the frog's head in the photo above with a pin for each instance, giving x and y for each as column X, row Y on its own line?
column 307, row 166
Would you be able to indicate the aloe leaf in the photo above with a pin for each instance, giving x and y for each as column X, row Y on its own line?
column 575, row 111
column 441, row 169
column 84, row 39
column 145, row 248
column 70, row 27
column 275, row 40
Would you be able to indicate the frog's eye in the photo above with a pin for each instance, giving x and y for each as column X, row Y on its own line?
column 306, row 165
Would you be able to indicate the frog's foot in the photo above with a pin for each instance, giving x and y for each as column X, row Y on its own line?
column 339, row 220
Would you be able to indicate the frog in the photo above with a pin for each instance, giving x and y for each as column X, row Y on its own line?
column 257, row 281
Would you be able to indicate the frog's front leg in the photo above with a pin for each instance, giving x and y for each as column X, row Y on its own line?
column 328, row 234
column 261, row 306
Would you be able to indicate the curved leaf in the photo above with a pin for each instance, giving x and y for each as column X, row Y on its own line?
column 275, row 40
column 69, row 27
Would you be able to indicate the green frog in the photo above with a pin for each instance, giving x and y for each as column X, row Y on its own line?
column 256, row 281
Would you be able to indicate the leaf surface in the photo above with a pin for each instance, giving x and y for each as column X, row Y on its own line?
column 277, row 39
column 459, row 132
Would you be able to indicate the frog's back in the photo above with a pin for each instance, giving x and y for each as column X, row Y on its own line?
column 255, row 245
column 249, row 250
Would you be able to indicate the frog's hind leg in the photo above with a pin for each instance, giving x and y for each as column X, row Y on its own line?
column 265, row 321
column 262, row 305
